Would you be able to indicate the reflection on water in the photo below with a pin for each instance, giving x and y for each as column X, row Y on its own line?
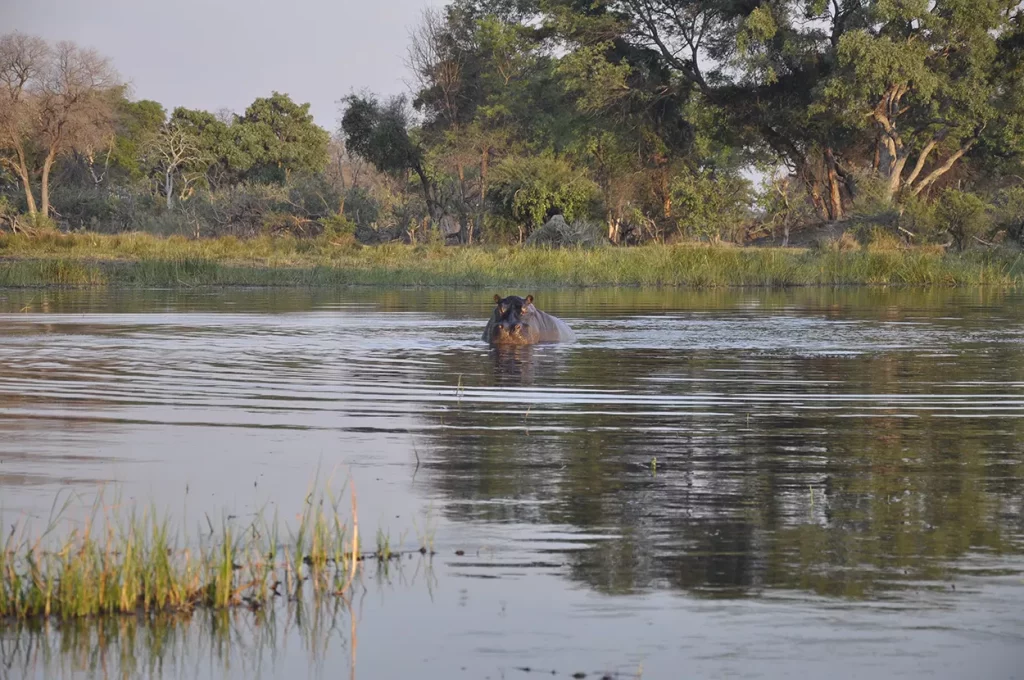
column 207, row 644
column 759, row 469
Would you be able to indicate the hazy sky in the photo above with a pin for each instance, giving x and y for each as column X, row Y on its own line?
column 214, row 54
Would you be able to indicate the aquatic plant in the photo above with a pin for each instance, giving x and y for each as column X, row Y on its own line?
column 135, row 563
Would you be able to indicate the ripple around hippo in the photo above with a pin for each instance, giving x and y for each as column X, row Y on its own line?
column 516, row 321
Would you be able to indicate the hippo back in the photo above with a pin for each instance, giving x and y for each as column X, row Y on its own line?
column 547, row 328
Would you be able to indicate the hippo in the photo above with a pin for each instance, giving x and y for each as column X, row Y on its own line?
column 516, row 321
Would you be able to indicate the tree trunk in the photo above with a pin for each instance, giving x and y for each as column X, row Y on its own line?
column 921, row 158
column 44, row 191
column 169, row 186
column 836, row 181
column 896, row 176
column 944, row 168
column 613, row 228
column 26, row 181
column 427, row 194
column 484, row 158
column 666, row 195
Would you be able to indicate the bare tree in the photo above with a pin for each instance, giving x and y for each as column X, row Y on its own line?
column 53, row 100
column 176, row 150
column 437, row 64
column 23, row 59
column 75, row 105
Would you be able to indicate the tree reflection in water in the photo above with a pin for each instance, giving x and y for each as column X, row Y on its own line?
column 837, row 475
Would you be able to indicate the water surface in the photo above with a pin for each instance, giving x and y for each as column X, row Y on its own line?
column 719, row 484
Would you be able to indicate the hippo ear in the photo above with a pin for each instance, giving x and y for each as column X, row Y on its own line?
column 497, row 298
column 529, row 299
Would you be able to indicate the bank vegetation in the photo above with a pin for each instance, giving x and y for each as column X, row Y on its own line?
column 897, row 127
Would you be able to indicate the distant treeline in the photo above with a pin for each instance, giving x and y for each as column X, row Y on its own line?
column 635, row 120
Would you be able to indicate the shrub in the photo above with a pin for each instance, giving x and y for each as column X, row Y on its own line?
column 525, row 190
column 880, row 239
column 557, row 233
column 1008, row 213
column 918, row 219
column 709, row 207
column 963, row 215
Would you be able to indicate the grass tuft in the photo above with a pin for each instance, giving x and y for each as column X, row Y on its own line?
column 136, row 564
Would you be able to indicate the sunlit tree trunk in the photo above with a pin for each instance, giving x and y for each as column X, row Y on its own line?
column 44, row 191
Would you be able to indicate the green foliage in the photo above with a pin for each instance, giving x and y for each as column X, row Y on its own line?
column 280, row 138
column 379, row 132
column 526, row 189
column 709, row 207
column 217, row 141
column 963, row 215
column 337, row 226
column 138, row 124
column 1008, row 212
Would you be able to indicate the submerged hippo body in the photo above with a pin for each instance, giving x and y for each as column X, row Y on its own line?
column 516, row 321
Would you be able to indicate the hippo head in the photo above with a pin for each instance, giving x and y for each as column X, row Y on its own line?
column 509, row 324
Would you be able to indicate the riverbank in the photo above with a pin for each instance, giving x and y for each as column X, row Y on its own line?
column 139, row 260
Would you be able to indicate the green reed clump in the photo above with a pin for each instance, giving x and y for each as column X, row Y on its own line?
column 137, row 564
column 140, row 260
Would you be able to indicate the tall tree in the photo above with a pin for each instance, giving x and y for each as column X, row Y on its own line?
column 379, row 132
column 54, row 100
column 23, row 61
column 281, row 138
column 927, row 81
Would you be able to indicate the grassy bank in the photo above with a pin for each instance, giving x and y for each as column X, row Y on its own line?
column 138, row 260
column 128, row 563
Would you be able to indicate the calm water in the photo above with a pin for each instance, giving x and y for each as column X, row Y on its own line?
column 836, row 489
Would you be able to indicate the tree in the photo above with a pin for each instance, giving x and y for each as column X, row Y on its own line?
column 54, row 100
column 281, row 138
column 177, row 151
column 138, row 123
column 928, row 80
column 226, row 160
column 23, row 60
column 380, row 134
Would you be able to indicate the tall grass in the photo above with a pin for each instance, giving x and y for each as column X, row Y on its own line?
column 114, row 564
column 137, row 260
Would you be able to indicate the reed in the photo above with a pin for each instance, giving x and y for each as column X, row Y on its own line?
column 141, row 261
column 135, row 563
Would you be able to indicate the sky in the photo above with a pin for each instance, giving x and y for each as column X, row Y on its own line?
column 223, row 54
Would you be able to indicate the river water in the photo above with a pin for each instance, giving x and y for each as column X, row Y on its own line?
column 754, row 484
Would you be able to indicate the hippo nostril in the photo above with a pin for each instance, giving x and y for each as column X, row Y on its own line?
column 518, row 327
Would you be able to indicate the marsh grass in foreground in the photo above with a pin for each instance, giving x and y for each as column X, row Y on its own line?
column 134, row 563
column 139, row 260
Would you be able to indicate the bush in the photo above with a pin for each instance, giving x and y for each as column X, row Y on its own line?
column 525, row 190
column 880, row 240
column 963, row 215
column 8, row 215
column 557, row 233
column 709, row 207
column 88, row 207
column 1008, row 213
column 918, row 220
column 784, row 206
column 837, row 243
